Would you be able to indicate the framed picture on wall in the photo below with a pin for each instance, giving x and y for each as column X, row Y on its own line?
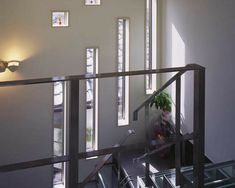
column 92, row 2
column 60, row 18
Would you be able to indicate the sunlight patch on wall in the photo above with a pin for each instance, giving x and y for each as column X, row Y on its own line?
column 178, row 60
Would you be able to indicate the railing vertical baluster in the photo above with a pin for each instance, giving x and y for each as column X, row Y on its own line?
column 73, row 133
column 199, row 127
column 166, row 182
column 118, row 169
column 147, row 149
column 233, row 171
column 177, row 145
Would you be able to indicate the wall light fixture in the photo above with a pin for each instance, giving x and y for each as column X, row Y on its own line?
column 11, row 65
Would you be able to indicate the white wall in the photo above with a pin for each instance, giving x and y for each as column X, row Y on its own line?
column 208, row 31
column 25, row 112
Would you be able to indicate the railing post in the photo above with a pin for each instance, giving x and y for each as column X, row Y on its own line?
column 73, row 133
column 199, row 128
column 177, row 129
column 147, row 149
column 118, row 169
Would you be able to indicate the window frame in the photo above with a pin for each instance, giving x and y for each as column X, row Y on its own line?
column 66, row 17
column 126, row 66
column 151, row 44
column 95, row 101
column 62, row 109
column 95, row 4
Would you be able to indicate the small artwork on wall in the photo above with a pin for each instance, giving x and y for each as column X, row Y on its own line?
column 92, row 2
column 60, row 18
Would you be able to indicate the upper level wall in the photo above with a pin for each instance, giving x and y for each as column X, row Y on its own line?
column 48, row 51
column 203, row 32
column 27, row 35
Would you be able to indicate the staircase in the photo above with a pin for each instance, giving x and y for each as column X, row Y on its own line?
column 108, row 172
column 107, row 177
column 221, row 175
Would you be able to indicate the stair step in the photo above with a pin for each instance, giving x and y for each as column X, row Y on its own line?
column 109, row 177
column 221, row 175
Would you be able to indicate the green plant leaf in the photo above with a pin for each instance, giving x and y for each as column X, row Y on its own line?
column 162, row 101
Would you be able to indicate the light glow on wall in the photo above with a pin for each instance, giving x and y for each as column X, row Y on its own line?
column 18, row 48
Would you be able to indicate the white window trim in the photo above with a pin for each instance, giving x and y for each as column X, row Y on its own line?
column 92, row 4
column 151, row 53
column 62, row 184
column 125, row 121
column 95, row 110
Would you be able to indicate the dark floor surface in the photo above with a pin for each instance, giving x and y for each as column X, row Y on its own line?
column 136, row 168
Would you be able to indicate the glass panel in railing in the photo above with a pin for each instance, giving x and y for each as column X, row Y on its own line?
column 100, row 171
column 26, row 122
column 215, row 175
column 33, row 127
column 144, row 138
column 146, row 129
column 36, row 177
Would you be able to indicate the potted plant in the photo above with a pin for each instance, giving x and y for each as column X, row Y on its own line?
column 164, row 128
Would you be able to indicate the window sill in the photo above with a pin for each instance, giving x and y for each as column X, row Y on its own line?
column 123, row 122
column 60, row 185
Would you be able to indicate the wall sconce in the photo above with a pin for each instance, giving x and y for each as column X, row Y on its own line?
column 11, row 65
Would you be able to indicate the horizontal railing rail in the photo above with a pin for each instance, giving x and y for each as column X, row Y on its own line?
column 155, row 93
column 163, row 87
column 189, row 67
column 33, row 164
column 82, row 155
column 168, row 142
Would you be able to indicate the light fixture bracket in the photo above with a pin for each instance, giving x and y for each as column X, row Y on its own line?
column 3, row 66
column 11, row 65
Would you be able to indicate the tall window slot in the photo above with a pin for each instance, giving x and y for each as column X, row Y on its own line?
column 59, row 136
column 91, row 100
column 151, row 44
column 123, row 65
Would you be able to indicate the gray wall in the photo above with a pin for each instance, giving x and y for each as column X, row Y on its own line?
column 208, row 31
column 25, row 112
column 205, row 26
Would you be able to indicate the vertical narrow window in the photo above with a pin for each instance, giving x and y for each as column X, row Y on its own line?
column 91, row 100
column 151, row 44
column 92, row 2
column 123, row 65
column 59, row 136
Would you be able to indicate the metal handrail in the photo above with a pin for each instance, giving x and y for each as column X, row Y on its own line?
column 155, row 93
column 60, row 159
column 32, row 164
column 94, row 76
column 167, row 143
